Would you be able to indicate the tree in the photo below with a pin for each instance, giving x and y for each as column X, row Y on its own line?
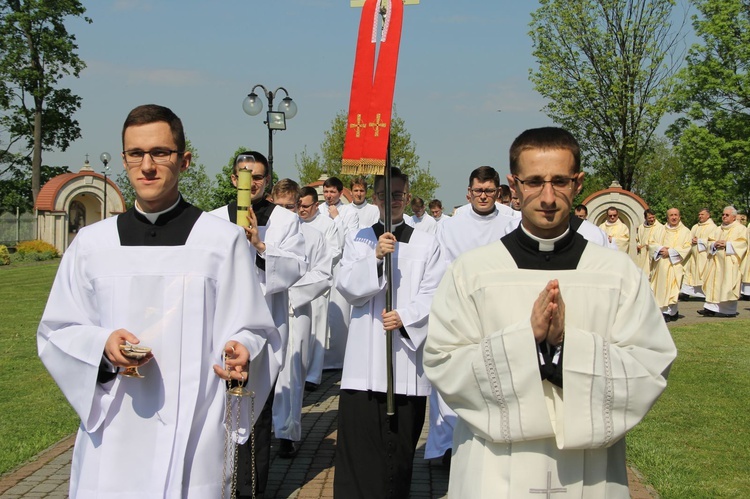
column 15, row 189
column 606, row 68
column 403, row 155
column 713, row 92
column 36, row 52
column 195, row 185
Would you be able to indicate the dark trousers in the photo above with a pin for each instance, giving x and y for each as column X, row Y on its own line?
column 374, row 451
column 262, row 432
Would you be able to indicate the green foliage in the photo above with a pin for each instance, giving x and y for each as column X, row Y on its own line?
column 713, row 136
column 35, row 412
column 4, row 255
column 606, row 67
column 403, row 156
column 15, row 188
column 34, row 251
column 36, row 52
column 694, row 442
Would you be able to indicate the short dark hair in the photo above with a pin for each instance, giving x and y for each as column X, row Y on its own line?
column 648, row 211
column 544, row 138
column 334, row 182
column 485, row 174
column 436, row 203
column 395, row 173
column 417, row 201
column 286, row 186
column 308, row 191
column 258, row 157
column 504, row 192
column 152, row 113
column 581, row 207
column 613, row 208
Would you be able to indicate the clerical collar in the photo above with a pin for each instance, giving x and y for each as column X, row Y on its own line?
column 394, row 226
column 611, row 223
column 360, row 206
column 153, row 217
column 671, row 226
column 545, row 244
column 315, row 215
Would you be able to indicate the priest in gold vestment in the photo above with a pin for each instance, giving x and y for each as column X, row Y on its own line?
column 616, row 230
column 643, row 236
column 670, row 247
column 695, row 267
column 721, row 283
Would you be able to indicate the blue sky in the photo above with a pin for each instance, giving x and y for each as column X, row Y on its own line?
column 460, row 62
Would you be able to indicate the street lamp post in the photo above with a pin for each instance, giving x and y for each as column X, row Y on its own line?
column 275, row 120
column 105, row 158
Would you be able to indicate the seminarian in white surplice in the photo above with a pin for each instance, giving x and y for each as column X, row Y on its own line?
column 549, row 348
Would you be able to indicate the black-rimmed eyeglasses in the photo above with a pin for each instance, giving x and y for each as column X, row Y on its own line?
column 158, row 156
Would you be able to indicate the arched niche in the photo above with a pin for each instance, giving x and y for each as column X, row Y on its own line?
column 83, row 193
column 629, row 205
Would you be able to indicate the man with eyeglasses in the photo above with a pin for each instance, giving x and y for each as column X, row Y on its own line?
column 278, row 248
column 669, row 248
column 548, row 348
column 727, row 246
column 375, row 452
column 287, row 401
column 617, row 232
column 692, row 283
column 162, row 275
column 309, row 214
column 346, row 218
column 481, row 224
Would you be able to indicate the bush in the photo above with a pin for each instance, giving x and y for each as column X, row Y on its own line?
column 4, row 255
column 32, row 251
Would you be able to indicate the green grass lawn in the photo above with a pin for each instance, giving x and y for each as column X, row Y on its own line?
column 696, row 440
column 33, row 412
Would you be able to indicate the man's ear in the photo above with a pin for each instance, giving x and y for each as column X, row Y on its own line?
column 579, row 182
column 186, row 158
column 511, row 184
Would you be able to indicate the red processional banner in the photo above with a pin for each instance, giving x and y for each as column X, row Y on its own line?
column 371, row 100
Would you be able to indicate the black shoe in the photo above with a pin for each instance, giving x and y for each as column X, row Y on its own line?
column 719, row 314
column 674, row 317
column 683, row 297
column 667, row 317
column 287, row 448
column 707, row 313
column 310, row 387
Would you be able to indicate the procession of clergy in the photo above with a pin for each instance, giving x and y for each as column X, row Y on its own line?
column 479, row 325
column 706, row 262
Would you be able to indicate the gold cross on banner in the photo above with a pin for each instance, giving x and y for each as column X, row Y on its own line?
column 359, row 125
column 377, row 125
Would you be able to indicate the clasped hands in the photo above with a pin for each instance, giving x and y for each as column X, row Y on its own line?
column 548, row 315
column 236, row 356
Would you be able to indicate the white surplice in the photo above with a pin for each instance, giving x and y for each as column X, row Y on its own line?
column 339, row 309
column 287, row 401
column 367, row 214
column 417, row 269
column 424, row 223
column 319, row 338
column 160, row 436
column 284, row 262
column 518, row 435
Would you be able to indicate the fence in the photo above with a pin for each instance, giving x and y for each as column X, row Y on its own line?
column 15, row 228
